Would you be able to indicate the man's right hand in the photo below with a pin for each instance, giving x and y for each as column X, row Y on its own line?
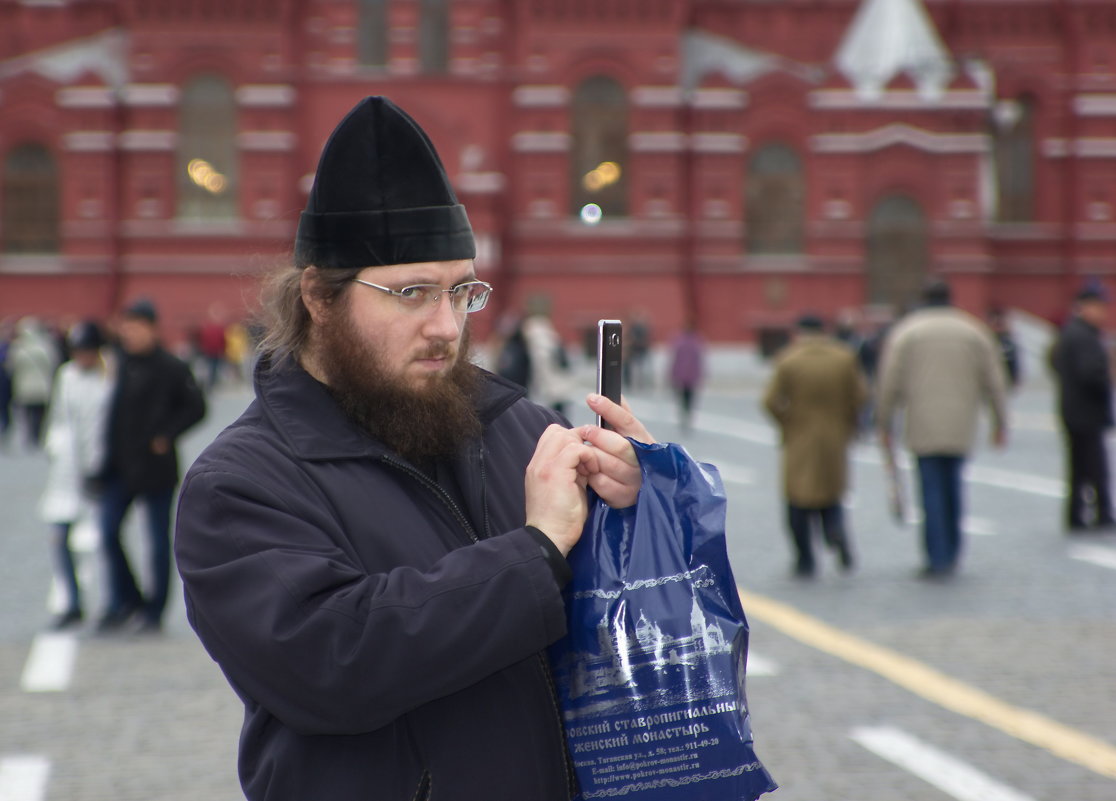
column 555, row 486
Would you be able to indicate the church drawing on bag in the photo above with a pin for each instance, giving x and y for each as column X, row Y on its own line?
column 625, row 652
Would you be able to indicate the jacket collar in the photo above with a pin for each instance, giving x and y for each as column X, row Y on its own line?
column 312, row 424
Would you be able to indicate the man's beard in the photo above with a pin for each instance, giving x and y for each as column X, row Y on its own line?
column 421, row 423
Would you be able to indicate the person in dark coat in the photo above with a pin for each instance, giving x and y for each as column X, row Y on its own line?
column 374, row 552
column 154, row 401
column 1080, row 362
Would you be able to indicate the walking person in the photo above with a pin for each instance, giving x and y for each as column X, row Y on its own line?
column 1080, row 363
column 687, row 371
column 74, row 444
column 815, row 395
column 374, row 552
column 939, row 366
column 32, row 360
column 550, row 381
column 154, row 401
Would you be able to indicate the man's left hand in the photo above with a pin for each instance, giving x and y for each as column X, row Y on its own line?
column 617, row 477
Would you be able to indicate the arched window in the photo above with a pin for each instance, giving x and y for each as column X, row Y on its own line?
column 30, row 201
column 773, row 199
column 434, row 36
column 372, row 33
column 599, row 155
column 898, row 252
column 207, row 152
column 1014, row 147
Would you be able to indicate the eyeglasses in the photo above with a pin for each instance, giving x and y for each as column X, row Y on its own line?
column 468, row 297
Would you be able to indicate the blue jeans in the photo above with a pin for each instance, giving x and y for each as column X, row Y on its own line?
column 940, row 482
column 64, row 564
column 123, row 590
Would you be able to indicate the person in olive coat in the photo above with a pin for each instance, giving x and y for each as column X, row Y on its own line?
column 1080, row 362
column 815, row 395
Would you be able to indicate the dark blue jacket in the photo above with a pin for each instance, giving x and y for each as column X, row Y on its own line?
column 386, row 641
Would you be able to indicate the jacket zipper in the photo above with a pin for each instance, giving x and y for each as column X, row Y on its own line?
column 433, row 486
column 426, row 481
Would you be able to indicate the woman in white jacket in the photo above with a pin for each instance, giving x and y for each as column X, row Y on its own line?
column 74, row 443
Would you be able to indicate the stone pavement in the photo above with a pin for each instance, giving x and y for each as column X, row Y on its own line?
column 1030, row 622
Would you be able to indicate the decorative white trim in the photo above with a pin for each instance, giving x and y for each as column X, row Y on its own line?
column 267, row 141
column 719, row 143
column 657, row 141
column 540, row 142
column 151, row 95
column 1096, row 147
column 262, row 95
column 85, row 97
column 1095, row 105
column 899, row 134
column 479, row 183
column 899, row 99
column 539, row 96
column 148, row 140
column 88, row 141
column 1086, row 148
column 403, row 66
column 656, row 96
column 720, row 99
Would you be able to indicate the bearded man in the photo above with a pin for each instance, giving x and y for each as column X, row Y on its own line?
column 374, row 552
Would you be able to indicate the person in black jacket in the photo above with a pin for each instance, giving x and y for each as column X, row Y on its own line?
column 374, row 552
column 154, row 401
column 1080, row 362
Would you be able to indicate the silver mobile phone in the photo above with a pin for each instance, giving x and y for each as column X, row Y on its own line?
column 610, row 342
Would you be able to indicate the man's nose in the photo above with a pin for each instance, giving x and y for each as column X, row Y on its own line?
column 444, row 322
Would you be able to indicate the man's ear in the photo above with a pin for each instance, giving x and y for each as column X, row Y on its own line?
column 310, row 287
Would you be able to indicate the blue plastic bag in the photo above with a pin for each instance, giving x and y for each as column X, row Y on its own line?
column 651, row 673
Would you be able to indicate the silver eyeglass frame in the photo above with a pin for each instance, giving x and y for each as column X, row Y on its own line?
column 434, row 298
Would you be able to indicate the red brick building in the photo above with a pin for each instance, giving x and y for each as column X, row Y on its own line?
column 738, row 160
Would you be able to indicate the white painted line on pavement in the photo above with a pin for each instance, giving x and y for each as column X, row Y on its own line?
column 761, row 666
column 1096, row 554
column 23, row 777
column 863, row 453
column 946, row 772
column 50, row 665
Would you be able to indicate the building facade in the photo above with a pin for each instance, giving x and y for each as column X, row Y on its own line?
column 733, row 161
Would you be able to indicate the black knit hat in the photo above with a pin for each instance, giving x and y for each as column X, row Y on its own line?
column 381, row 196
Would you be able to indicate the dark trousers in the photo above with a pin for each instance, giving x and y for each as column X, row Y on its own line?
column 1088, row 475
column 64, row 565
column 123, row 590
column 801, row 520
column 940, row 483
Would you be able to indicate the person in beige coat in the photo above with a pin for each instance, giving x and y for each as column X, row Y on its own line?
column 815, row 396
column 940, row 366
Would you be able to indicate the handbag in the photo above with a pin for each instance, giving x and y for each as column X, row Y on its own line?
column 650, row 674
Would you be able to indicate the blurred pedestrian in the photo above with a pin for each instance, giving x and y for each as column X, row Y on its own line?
column 512, row 358
column 33, row 359
column 74, row 444
column 939, row 367
column 212, row 346
column 1009, row 348
column 551, row 381
column 155, row 400
column 7, row 333
column 637, row 352
column 815, row 394
column 1080, row 363
column 687, row 371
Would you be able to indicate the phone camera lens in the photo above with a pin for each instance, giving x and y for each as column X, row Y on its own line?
column 614, row 340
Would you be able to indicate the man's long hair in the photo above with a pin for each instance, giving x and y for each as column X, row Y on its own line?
column 283, row 314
